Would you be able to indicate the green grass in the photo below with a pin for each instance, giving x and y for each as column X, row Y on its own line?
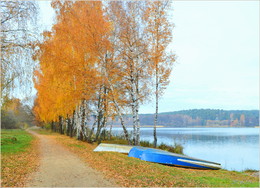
column 115, row 141
column 227, row 181
column 19, row 157
column 14, row 140
column 77, row 145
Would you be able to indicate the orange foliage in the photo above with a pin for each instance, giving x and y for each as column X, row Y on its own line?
column 103, row 55
column 160, row 35
column 69, row 58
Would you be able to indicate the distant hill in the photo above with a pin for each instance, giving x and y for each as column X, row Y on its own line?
column 201, row 117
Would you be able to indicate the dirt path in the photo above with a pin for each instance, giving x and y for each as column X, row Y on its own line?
column 61, row 168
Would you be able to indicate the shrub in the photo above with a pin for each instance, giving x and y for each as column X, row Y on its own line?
column 8, row 120
column 146, row 144
column 47, row 126
column 177, row 148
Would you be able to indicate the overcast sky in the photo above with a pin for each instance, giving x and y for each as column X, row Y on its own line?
column 217, row 49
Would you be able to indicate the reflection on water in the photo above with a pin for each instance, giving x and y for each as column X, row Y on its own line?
column 235, row 148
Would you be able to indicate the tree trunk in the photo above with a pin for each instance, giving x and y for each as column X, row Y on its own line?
column 122, row 122
column 89, row 139
column 55, row 127
column 156, row 109
column 102, row 130
column 137, row 124
column 134, row 123
column 134, row 112
column 124, row 129
column 60, row 125
column 99, row 126
column 110, row 131
column 85, row 121
column 68, row 126
column 134, row 92
column 72, row 124
column 99, row 115
column 118, row 111
column 78, row 122
column 52, row 125
column 83, row 116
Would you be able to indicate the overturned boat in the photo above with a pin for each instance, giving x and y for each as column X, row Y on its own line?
column 172, row 159
column 113, row 148
column 158, row 156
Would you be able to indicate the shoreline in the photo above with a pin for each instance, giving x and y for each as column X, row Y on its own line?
column 196, row 126
column 132, row 172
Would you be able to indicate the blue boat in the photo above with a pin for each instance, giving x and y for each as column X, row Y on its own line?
column 136, row 152
column 172, row 159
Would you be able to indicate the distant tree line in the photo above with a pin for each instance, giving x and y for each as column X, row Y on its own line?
column 202, row 117
column 16, row 115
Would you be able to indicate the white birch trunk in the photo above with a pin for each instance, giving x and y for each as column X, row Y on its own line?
column 133, row 94
column 137, row 124
column 156, row 111
column 78, row 121
column 118, row 111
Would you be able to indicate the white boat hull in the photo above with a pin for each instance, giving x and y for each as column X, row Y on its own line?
column 113, row 148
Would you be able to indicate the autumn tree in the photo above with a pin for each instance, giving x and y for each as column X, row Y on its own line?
column 69, row 77
column 18, row 23
column 132, row 56
column 97, row 63
column 159, row 29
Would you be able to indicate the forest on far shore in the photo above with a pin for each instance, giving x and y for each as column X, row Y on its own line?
column 201, row 117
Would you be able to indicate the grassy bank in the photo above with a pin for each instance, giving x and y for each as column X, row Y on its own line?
column 177, row 148
column 128, row 171
column 19, row 157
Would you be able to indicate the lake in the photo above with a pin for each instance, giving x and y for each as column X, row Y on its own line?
column 234, row 148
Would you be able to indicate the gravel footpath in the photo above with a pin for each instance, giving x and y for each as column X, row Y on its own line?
column 61, row 168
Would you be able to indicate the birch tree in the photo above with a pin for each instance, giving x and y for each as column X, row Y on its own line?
column 99, row 61
column 18, row 23
column 68, row 61
column 132, row 55
column 159, row 31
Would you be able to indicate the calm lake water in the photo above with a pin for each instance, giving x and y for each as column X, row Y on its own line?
column 235, row 148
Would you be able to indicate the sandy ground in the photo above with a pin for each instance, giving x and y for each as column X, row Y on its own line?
column 61, row 168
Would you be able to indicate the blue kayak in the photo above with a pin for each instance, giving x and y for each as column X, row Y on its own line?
column 172, row 159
